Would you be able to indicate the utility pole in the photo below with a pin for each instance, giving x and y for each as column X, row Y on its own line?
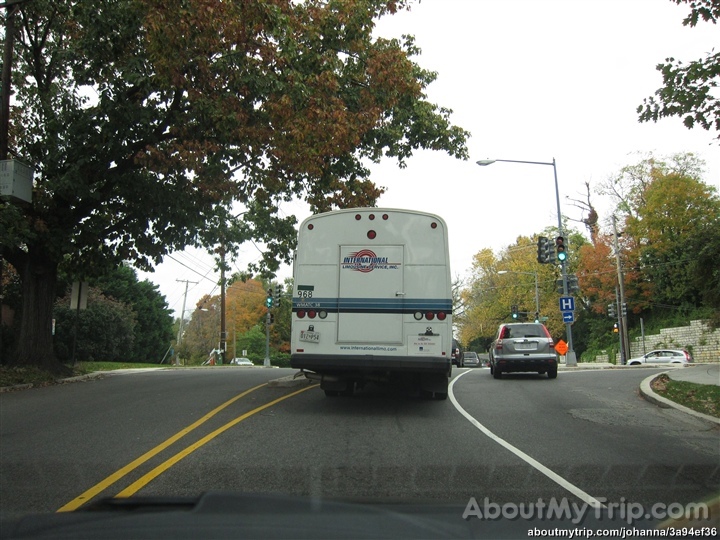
column 182, row 320
column 269, row 304
column 223, row 339
column 622, row 315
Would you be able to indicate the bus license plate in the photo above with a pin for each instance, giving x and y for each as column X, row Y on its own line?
column 308, row 335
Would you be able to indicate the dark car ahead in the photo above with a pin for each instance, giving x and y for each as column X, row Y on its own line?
column 522, row 347
column 456, row 356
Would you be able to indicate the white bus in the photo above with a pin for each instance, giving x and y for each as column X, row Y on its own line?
column 372, row 300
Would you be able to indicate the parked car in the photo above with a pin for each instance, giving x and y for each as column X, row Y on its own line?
column 522, row 347
column 456, row 356
column 241, row 362
column 470, row 359
column 662, row 356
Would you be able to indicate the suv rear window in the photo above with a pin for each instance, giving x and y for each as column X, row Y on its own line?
column 523, row 331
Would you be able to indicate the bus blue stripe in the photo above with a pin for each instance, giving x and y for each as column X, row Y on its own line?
column 373, row 305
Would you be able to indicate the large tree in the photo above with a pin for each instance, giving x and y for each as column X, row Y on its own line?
column 153, row 331
column 151, row 125
column 689, row 90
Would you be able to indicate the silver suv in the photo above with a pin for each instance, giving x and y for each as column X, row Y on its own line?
column 523, row 347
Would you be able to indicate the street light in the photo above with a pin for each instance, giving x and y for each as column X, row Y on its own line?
column 570, row 358
column 537, row 293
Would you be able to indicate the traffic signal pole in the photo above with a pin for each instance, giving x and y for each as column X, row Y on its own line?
column 622, row 314
column 268, row 303
column 570, row 358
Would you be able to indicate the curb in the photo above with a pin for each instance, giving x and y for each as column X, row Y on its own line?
column 291, row 381
column 647, row 392
column 78, row 378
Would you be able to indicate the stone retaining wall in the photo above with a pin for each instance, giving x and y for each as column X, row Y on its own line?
column 702, row 342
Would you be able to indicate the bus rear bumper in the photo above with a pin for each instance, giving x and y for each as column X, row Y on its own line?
column 369, row 363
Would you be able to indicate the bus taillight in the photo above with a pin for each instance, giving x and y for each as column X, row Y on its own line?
column 441, row 316
column 301, row 314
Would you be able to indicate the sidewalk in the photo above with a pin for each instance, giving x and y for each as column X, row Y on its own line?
column 699, row 374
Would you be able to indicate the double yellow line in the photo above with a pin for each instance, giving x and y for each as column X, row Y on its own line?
column 147, row 478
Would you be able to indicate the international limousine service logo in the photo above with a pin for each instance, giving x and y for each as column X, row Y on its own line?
column 367, row 260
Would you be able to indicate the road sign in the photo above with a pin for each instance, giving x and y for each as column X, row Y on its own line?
column 561, row 347
column 567, row 303
column 568, row 316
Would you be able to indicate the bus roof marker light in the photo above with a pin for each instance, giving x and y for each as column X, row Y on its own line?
column 371, row 216
column 358, row 217
column 433, row 225
column 385, row 217
column 371, row 234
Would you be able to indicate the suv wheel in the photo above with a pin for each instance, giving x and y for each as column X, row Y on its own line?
column 497, row 373
column 552, row 373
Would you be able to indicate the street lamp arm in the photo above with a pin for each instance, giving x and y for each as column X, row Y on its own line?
column 484, row 162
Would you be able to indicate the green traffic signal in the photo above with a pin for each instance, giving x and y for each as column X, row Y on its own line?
column 560, row 249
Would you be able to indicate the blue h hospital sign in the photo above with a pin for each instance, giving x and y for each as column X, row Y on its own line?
column 567, row 303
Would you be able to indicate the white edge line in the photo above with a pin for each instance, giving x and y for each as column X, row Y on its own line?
column 589, row 499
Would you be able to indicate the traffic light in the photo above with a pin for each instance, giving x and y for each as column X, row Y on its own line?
column 272, row 318
column 559, row 285
column 269, row 299
column 624, row 309
column 515, row 312
column 278, row 291
column 611, row 311
column 560, row 249
column 573, row 286
column 542, row 249
column 550, row 256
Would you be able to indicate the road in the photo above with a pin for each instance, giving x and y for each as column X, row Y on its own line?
column 586, row 436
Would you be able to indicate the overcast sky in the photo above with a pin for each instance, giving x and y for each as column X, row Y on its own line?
column 531, row 80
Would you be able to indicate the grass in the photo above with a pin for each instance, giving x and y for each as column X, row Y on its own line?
column 704, row 398
column 13, row 376
column 88, row 367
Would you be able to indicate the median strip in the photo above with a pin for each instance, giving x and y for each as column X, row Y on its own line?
column 157, row 471
column 77, row 502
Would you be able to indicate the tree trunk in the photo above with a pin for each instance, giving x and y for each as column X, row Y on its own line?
column 38, row 273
